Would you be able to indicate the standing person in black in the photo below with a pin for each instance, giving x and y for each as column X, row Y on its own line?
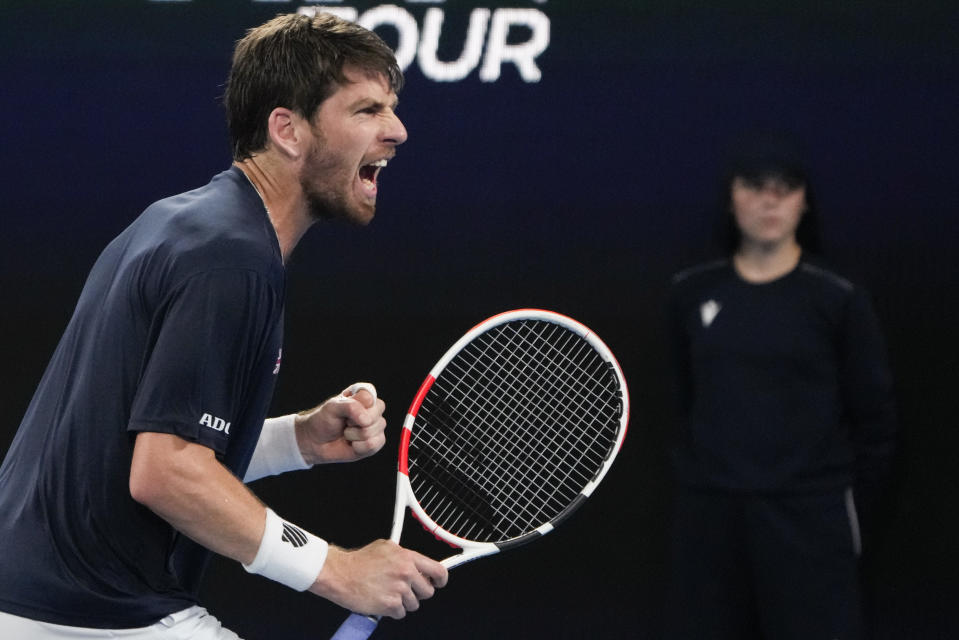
column 787, row 420
column 128, row 468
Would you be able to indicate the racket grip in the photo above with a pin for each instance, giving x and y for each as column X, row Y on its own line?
column 356, row 627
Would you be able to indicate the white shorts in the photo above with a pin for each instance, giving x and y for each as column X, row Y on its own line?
column 190, row 624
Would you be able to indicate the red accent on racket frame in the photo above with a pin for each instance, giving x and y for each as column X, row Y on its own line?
column 418, row 400
column 403, row 464
column 410, row 414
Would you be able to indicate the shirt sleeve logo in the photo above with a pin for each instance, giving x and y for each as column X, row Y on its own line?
column 217, row 424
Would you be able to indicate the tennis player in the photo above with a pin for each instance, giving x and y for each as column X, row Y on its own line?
column 126, row 471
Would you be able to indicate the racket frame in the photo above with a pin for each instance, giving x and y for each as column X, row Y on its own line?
column 471, row 549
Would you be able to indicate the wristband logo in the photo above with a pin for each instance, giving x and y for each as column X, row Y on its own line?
column 293, row 536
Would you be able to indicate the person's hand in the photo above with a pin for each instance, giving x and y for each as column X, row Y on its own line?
column 381, row 579
column 342, row 429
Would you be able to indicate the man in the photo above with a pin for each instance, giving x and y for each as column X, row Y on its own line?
column 124, row 474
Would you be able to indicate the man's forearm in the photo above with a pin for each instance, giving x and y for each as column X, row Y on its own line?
column 184, row 483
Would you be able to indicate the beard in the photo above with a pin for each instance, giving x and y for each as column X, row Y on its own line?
column 325, row 205
column 325, row 200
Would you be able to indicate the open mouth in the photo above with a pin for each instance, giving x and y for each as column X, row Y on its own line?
column 369, row 172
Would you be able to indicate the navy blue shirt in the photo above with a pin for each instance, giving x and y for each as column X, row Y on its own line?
column 178, row 330
column 784, row 386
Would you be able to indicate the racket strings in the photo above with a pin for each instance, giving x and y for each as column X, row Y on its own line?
column 529, row 388
column 524, row 417
column 521, row 460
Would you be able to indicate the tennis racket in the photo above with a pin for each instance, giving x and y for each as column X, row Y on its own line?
column 510, row 432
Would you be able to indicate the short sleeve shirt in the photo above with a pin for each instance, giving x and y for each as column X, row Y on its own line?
column 178, row 330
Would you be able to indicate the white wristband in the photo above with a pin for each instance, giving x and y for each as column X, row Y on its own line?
column 288, row 554
column 276, row 451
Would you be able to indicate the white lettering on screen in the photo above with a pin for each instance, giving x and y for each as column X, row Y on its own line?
column 488, row 32
column 421, row 45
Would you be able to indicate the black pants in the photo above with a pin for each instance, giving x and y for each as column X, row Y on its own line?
column 771, row 567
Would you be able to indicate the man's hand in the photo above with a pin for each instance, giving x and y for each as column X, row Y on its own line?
column 342, row 429
column 381, row 579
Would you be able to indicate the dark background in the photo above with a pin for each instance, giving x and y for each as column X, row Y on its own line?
column 581, row 193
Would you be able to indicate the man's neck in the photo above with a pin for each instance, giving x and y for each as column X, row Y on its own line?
column 282, row 198
column 766, row 263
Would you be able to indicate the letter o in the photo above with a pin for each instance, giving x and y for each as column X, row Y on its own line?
column 405, row 25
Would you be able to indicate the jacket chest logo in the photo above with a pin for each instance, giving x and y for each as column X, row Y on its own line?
column 708, row 312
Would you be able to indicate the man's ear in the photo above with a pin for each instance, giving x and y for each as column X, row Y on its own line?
column 285, row 130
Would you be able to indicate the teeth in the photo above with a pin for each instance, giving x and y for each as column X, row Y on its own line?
column 371, row 170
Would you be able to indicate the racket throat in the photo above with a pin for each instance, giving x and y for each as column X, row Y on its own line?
column 399, row 505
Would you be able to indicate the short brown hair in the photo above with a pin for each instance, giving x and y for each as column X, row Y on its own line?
column 296, row 61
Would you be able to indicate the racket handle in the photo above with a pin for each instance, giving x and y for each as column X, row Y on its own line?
column 356, row 627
